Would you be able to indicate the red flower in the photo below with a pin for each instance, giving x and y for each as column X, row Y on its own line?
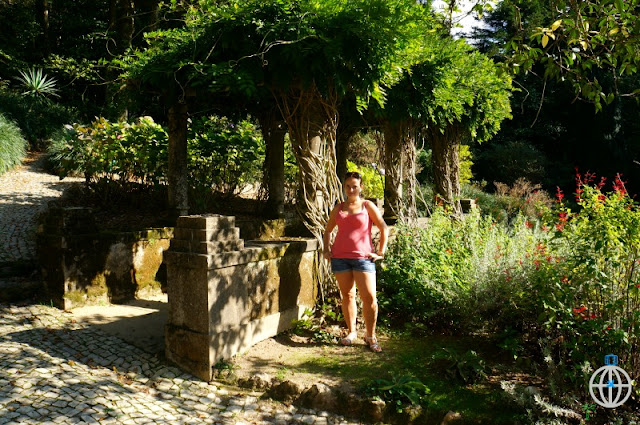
column 562, row 216
column 579, row 310
column 602, row 181
column 559, row 194
column 618, row 185
column 448, row 251
column 528, row 224
column 559, row 227
column 545, row 228
column 564, row 279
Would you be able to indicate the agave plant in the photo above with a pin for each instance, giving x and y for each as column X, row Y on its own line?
column 37, row 84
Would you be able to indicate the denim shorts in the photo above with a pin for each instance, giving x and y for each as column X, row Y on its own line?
column 366, row 265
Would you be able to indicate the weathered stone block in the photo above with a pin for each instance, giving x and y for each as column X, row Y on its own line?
column 207, row 235
column 82, row 265
column 206, row 221
column 236, row 298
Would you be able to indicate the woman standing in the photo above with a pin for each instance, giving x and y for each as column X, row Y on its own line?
column 352, row 257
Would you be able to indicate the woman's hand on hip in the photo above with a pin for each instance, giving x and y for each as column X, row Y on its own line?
column 375, row 257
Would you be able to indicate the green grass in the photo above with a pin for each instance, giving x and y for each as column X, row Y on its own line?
column 479, row 403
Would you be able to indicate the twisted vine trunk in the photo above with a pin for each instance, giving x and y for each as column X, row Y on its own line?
column 400, row 171
column 445, row 147
column 312, row 120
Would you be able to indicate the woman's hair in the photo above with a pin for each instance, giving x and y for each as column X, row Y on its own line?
column 353, row 174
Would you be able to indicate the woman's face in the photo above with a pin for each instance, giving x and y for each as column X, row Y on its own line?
column 352, row 187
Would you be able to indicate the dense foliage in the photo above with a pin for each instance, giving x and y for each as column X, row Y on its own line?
column 566, row 286
column 12, row 145
column 223, row 155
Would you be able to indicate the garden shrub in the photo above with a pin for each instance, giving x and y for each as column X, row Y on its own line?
column 12, row 145
column 522, row 197
column 592, row 296
column 568, row 285
column 38, row 118
column 222, row 155
column 511, row 161
column 436, row 275
column 114, row 151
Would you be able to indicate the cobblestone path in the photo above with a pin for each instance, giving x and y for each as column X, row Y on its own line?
column 24, row 193
column 54, row 370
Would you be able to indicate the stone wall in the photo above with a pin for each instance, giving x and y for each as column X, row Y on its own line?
column 225, row 296
column 83, row 265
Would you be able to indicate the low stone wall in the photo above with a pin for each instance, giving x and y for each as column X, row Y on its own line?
column 82, row 265
column 225, row 296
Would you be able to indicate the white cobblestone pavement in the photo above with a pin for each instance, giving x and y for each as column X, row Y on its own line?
column 54, row 370
column 24, row 193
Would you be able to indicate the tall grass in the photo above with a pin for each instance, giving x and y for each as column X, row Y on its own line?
column 12, row 145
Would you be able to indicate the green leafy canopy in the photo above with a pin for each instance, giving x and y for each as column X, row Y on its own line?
column 247, row 47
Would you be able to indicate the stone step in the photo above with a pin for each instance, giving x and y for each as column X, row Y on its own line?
column 19, row 288
column 207, row 235
column 206, row 221
column 200, row 247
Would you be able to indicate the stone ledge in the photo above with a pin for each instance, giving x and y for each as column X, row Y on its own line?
column 254, row 251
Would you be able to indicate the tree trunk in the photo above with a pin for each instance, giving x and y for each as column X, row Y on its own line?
column 121, row 24
column 342, row 143
column 178, row 172
column 410, row 181
column 273, row 131
column 446, row 173
column 393, row 170
column 146, row 18
column 344, row 133
column 42, row 17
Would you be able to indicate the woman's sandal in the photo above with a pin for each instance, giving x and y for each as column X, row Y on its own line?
column 348, row 340
column 373, row 344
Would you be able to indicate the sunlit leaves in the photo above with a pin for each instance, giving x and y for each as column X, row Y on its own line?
column 587, row 38
column 248, row 46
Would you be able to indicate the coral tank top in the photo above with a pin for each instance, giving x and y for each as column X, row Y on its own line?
column 354, row 235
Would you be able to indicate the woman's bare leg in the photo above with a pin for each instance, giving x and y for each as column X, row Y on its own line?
column 348, row 293
column 366, row 283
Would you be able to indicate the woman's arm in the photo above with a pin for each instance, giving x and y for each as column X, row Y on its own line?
column 375, row 215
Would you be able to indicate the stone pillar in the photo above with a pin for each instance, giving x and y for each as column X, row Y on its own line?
column 225, row 297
